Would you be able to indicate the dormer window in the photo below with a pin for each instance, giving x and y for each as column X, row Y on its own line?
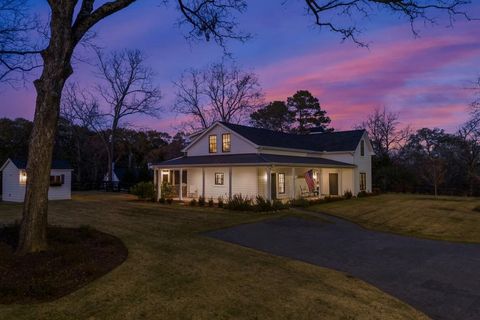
column 226, row 142
column 362, row 148
column 212, row 144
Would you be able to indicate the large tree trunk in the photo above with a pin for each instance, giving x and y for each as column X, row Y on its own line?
column 56, row 70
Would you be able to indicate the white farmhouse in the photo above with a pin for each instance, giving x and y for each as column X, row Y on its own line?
column 14, row 179
column 228, row 159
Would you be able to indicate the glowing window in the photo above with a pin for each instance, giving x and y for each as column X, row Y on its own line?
column 281, row 183
column 363, row 181
column 226, row 142
column 212, row 144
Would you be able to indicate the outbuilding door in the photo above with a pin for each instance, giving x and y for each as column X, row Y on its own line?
column 333, row 183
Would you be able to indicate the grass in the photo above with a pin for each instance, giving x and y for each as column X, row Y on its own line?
column 173, row 272
column 445, row 218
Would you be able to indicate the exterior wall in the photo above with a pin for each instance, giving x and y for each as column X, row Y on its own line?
column 63, row 192
column 244, row 181
column 212, row 190
column 14, row 191
column 238, row 144
column 364, row 164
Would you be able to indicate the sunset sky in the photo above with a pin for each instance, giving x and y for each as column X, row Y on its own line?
column 424, row 79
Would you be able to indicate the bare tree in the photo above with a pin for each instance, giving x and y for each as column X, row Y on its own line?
column 469, row 134
column 220, row 92
column 71, row 20
column 384, row 132
column 127, row 90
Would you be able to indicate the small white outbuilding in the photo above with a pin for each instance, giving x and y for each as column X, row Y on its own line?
column 14, row 180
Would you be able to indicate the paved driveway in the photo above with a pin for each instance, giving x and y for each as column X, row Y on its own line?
column 442, row 279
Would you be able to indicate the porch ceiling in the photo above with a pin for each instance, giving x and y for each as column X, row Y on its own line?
column 251, row 159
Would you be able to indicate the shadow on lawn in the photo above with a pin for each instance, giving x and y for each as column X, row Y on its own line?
column 76, row 256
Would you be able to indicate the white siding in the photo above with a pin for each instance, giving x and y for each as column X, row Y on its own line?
column 364, row 164
column 244, row 181
column 238, row 144
column 63, row 192
column 14, row 191
column 212, row 190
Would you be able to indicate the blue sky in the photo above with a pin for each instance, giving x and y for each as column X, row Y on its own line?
column 423, row 79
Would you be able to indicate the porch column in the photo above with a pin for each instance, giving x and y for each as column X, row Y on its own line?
column 203, row 182
column 230, row 183
column 293, row 184
column 159, row 183
column 269, row 183
column 320, row 181
column 180, row 192
column 340, row 184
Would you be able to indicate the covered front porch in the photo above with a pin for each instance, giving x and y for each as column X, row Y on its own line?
column 281, row 182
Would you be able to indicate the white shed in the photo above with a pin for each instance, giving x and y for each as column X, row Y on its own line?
column 14, row 179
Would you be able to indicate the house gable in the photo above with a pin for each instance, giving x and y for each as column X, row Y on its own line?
column 200, row 145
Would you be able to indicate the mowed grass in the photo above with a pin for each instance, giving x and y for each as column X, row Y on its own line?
column 173, row 272
column 445, row 218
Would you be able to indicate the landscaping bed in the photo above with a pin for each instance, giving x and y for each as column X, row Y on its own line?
column 75, row 257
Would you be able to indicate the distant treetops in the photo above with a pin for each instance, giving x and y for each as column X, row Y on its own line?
column 300, row 113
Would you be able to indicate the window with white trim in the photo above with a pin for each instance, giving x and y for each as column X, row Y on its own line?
column 219, row 178
column 212, row 144
column 363, row 181
column 226, row 142
column 281, row 183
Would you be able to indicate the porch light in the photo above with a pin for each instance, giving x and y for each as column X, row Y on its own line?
column 23, row 177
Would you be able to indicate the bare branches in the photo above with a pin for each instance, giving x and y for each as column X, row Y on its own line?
column 220, row 92
column 18, row 55
column 212, row 19
column 129, row 87
column 328, row 13
column 383, row 131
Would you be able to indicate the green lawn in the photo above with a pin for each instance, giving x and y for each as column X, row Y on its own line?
column 445, row 218
column 173, row 272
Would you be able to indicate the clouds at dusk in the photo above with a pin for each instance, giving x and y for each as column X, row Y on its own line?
column 422, row 79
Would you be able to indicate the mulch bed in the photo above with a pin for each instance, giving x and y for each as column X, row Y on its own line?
column 74, row 258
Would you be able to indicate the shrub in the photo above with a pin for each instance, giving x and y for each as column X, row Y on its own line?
column 299, row 202
column 362, row 194
column 210, row 202
column 263, row 205
column 279, row 205
column 167, row 190
column 239, row 203
column 161, row 200
column 348, row 194
column 220, row 202
column 144, row 191
column 201, row 201
column 193, row 203
column 169, row 200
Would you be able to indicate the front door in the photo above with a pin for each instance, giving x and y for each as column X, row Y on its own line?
column 333, row 184
column 274, row 185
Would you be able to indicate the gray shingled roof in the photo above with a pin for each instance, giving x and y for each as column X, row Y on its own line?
column 328, row 141
column 56, row 164
column 251, row 158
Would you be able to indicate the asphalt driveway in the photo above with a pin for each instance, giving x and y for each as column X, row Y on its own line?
column 441, row 279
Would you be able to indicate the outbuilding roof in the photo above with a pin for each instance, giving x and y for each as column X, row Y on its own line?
column 327, row 141
column 251, row 159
